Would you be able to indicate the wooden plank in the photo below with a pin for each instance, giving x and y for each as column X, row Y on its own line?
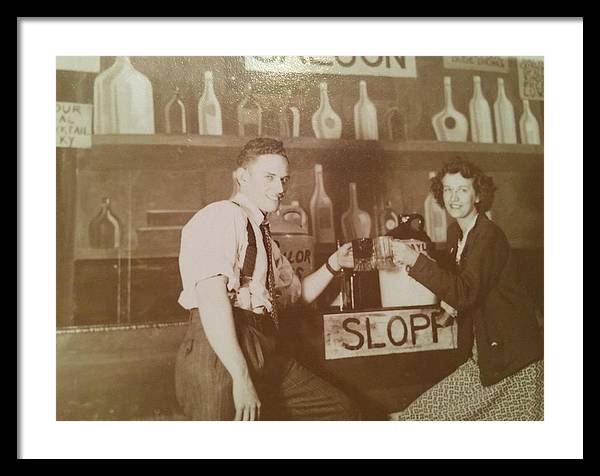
column 390, row 331
column 187, row 140
column 462, row 147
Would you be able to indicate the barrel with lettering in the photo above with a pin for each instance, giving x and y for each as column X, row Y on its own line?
column 294, row 242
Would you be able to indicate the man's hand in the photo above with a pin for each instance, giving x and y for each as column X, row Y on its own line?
column 342, row 258
column 245, row 399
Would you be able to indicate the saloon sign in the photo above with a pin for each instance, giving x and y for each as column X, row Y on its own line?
column 408, row 329
column 393, row 66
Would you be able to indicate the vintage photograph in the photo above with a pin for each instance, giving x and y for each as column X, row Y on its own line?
column 285, row 238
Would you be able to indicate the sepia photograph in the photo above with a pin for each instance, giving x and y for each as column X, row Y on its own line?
column 283, row 238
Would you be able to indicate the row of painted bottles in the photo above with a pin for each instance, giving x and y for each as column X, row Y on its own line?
column 357, row 223
column 451, row 125
column 123, row 104
column 327, row 124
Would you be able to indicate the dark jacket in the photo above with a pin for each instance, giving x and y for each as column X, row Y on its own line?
column 486, row 288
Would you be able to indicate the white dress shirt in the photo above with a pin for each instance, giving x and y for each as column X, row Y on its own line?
column 214, row 243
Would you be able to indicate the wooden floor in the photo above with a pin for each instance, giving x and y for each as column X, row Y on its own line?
column 127, row 374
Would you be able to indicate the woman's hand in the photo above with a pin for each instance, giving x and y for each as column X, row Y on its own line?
column 342, row 258
column 403, row 254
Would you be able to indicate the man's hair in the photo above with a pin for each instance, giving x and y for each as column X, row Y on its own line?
column 482, row 183
column 260, row 146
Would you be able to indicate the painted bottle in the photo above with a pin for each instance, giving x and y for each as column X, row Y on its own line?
column 480, row 116
column 389, row 220
column 175, row 121
column 450, row 124
column 105, row 229
column 504, row 117
column 326, row 123
column 321, row 210
column 435, row 218
column 528, row 125
column 356, row 223
column 365, row 115
column 249, row 115
column 294, row 213
column 209, row 109
column 123, row 100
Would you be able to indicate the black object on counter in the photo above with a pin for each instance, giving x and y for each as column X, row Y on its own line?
column 410, row 226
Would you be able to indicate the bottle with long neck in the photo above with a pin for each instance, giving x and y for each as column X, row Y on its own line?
column 175, row 121
column 435, row 218
column 504, row 117
column 528, row 125
column 321, row 210
column 295, row 121
column 105, row 229
column 365, row 115
column 356, row 223
column 249, row 113
column 480, row 115
column 209, row 109
column 325, row 122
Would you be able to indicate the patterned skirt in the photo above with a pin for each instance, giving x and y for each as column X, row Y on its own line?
column 461, row 397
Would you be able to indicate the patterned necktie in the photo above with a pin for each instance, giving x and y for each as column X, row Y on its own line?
column 266, row 234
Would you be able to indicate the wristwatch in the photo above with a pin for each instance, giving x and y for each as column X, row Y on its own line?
column 331, row 270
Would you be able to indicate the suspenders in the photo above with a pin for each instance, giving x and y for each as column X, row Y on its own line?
column 250, row 258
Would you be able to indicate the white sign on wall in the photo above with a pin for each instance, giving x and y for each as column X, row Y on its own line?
column 73, row 125
column 497, row 64
column 394, row 66
column 366, row 333
column 531, row 78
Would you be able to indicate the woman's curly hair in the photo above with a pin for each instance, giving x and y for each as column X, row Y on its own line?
column 482, row 183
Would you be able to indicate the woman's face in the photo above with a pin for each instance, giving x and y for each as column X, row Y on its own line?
column 459, row 196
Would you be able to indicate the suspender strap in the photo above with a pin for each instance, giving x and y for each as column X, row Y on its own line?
column 250, row 258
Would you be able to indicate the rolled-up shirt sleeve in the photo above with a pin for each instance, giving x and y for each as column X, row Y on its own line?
column 210, row 246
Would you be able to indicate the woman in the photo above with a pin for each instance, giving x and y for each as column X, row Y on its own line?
column 502, row 379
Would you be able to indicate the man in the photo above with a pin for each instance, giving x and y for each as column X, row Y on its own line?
column 235, row 280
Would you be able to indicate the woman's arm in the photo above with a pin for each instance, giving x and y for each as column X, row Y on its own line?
column 472, row 281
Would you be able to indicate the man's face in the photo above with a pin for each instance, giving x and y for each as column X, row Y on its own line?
column 264, row 181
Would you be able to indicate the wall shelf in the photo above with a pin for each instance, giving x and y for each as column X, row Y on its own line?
column 224, row 141
column 123, row 254
column 229, row 141
column 170, row 151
